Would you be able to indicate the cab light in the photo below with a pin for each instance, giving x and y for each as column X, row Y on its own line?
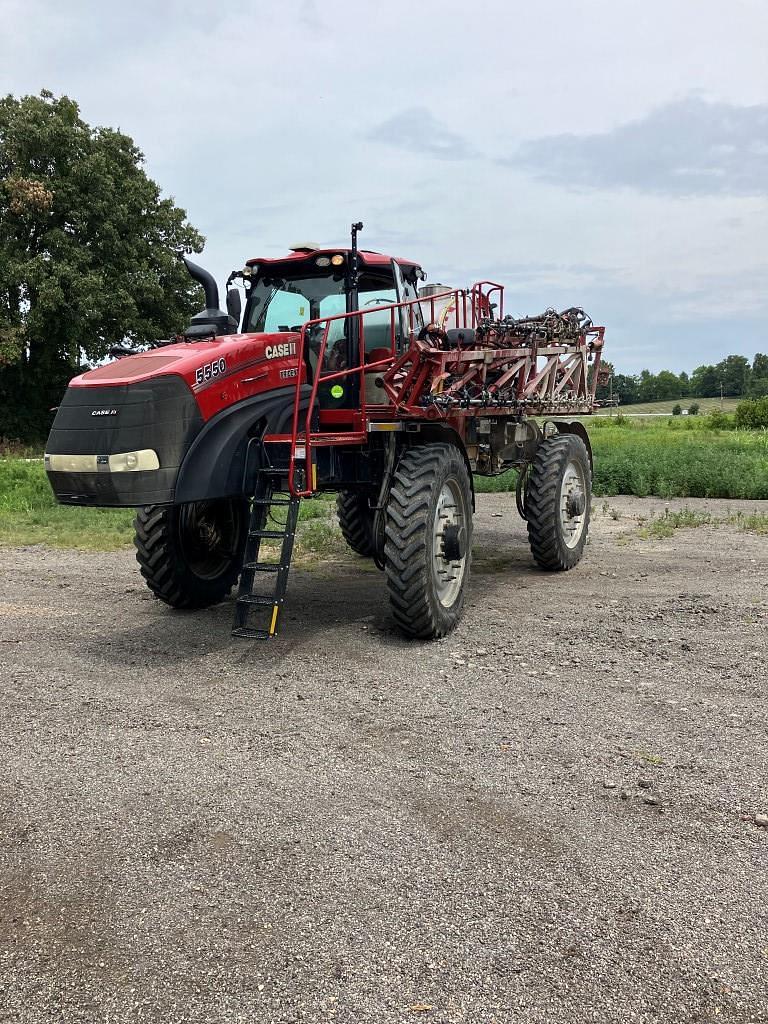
column 337, row 260
column 322, row 261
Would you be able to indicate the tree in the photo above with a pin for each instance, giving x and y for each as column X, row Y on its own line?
column 667, row 385
column 625, row 388
column 88, row 254
column 758, row 385
column 646, row 388
column 733, row 373
column 705, row 382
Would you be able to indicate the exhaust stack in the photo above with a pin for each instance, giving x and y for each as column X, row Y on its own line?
column 208, row 282
column 211, row 321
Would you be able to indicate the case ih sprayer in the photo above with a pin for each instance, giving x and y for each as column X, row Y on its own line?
column 343, row 377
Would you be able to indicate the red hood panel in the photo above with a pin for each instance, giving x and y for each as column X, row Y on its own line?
column 219, row 372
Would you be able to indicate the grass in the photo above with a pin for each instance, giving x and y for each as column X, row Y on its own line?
column 29, row 514
column 666, row 524
column 691, row 457
column 668, row 461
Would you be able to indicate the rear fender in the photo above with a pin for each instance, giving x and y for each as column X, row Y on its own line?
column 576, row 427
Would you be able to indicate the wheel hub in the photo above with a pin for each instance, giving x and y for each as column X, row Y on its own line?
column 575, row 505
column 454, row 541
column 208, row 534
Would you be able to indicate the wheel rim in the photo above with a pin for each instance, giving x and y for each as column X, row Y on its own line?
column 208, row 536
column 573, row 504
column 449, row 543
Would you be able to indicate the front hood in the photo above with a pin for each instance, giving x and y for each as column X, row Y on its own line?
column 219, row 373
column 185, row 359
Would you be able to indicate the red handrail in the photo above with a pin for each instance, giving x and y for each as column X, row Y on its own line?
column 458, row 306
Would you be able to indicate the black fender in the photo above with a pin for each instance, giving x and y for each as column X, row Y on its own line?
column 576, row 427
column 215, row 464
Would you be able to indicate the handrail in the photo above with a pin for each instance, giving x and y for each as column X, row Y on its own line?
column 459, row 298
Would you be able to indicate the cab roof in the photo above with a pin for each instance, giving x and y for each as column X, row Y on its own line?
column 367, row 257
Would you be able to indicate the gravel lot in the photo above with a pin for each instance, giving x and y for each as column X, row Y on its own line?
column 548, row 816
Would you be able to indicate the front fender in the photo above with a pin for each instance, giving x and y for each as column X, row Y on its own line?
column 215, row 465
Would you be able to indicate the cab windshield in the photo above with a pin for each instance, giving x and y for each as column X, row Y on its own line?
column 285, row 303
column 280, row 302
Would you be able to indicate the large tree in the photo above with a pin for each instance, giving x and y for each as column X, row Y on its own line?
column 733, row 373
column 88, row 253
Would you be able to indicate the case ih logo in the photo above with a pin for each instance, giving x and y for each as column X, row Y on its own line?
column 103, row 412
column 287, row 348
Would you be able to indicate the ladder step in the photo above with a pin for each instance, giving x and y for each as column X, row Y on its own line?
column 270, row 493
column 259, row 599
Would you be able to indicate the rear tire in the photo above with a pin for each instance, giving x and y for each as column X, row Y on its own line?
column 356, row 522
column 191, row 555
column 428, row 545
column 557, row 502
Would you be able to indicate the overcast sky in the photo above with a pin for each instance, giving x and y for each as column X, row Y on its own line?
column 605, row 153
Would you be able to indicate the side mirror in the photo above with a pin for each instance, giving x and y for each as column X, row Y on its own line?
column 234, row 305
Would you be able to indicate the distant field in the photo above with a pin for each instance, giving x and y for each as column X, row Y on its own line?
column 705, row 405
column 681, row 458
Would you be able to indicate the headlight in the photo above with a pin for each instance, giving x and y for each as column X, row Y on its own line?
column 125, row 462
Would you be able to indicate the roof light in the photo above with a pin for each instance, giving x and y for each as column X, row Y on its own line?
column 337, row 260
column 322, row 261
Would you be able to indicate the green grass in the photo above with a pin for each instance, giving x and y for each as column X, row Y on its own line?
column 687, row 518
column 675, row 458
column 29, row 514
column 670, row 462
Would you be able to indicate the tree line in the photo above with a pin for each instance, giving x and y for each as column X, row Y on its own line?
column 732, row 377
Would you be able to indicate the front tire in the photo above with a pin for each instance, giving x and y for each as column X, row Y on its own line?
column 191, row 555
column 557, row 502
column 428, row 540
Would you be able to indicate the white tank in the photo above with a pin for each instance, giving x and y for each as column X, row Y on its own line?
column 444, row 313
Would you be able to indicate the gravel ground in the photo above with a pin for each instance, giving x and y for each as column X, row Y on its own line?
column 546, row 817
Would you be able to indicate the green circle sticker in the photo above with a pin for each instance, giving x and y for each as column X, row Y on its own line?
column 337, row 391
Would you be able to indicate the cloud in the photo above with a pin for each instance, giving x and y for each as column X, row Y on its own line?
column 690, row 147
column 417, row 131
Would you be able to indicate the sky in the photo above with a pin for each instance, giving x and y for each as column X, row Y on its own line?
column 610, row 154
